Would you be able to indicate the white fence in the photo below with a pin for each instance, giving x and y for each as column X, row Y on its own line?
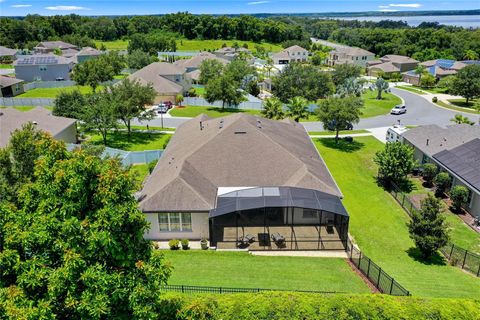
column 58, row 84
column 14, row 102
column 127, row 157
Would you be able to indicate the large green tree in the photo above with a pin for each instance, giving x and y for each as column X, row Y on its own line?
column 339, row 113
column 69, row 104
column 210, row 69
column 467, row 83
column 137, row 59
column 73, row 246
column 298, row 80
column 92, row 72
column 342, row 72
column 428, row 228
column 100, row 113
column 224, row 89
column 395, row 162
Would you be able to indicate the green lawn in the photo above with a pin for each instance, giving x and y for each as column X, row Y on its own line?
column 411, row 89
column 435, row 90
column 462, row 103
column 214, row 112
column 452, row 107
column 197, row 45
column 139, row 141
column 22, row 108
column 242, row 270
column 140, row 171
column 149, row 128
column 6, row 66
column 53, row 92
column 330, row 133
column 374, row 107
column 378, row 224
column 200, row 91
column 113, row 45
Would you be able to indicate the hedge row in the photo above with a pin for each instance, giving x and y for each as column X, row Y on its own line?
column 277, row 305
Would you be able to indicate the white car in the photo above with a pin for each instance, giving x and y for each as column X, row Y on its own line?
column 399, row 109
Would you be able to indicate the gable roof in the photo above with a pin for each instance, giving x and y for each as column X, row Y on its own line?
column 154, row 74
column 353, row 51
column 395, row 58
column 197, row 60
column 12, row 119
column 89, row 51
column 6, row 81
column 385, row 67
column 7, row 52
column 463, row 161
column 295, row 48
column 41, row 59
column 240, row 150
column 56, row 44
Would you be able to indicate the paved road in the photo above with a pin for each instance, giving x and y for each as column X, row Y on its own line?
column 420, row 111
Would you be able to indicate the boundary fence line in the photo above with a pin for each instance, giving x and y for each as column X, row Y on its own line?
column 223, row 290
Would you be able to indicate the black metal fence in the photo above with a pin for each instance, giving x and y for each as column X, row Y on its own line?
column 380, row 279
column 456, row 255
column 462, row 258
column 221, row 290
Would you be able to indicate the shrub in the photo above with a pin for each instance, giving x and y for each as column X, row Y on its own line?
column 174, row 244
column 185, row 243
column 434, row 99
column 204, row 244
column 151, row 165
column 429, row 172
column 442, row 182
column 192, row 92
column 459, row 196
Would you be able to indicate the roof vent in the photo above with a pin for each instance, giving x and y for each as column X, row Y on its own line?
column 240, row 132
column 201, row 125
column 35, row 122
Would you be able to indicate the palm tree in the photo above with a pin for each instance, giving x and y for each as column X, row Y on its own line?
column 351, row 86
column 470, row 55
column 381, row 86
column 297, row 108
column 269, row 65
column 420, row 70
column 273, row 109
column 460, row 119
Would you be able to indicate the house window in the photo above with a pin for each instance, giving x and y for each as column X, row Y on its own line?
column 425, row 159
column 43, row 68
column 17, row 87
column 175, row 221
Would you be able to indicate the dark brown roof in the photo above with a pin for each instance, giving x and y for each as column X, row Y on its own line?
column 240, row 150
column 6, row 81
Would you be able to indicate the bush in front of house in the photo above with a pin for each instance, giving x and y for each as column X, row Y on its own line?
column 174, row 244
column 434, row 99
column 185, row 243
column 429, row 173
column 296, row 306
column 442, row 182
column 459, row 197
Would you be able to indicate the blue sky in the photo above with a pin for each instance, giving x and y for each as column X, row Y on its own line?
column 122, row 7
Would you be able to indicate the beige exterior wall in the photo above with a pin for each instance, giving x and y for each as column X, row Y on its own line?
column 69, row 134
column 199, row 228
column 164, row 98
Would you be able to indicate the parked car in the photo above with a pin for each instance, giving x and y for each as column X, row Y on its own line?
column 161, row 108
column 331, row 126
column 169, row 104
column 399, row 109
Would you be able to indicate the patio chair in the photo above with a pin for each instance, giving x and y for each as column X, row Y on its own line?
column 278, row 239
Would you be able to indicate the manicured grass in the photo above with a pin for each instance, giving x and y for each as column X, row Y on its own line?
column 214, row 112
column 201, row 45
column 21, row 108
column 411, row 89
column 435, row 90
column 6, row 66
column 140, row 171
column 242, row 270
column 452, row 107
column 53, row 92
column 200, row 91
column 113, row 45
column 149, row 128
column 331, row 133
column 374, row 107
column 378, row 224
column 139, row 141
column 462, row 103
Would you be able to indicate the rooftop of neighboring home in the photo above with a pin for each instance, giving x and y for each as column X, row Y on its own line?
column 7, row 52
column 41, row 59
column 155, row 74
column 431, row 139
column 56, row 44
column 230, row 50
column 12, row 119
column 295, row 48
column 6, row 81
column 393, row 63
column 444, row 67
column 89, row 51
column 237, row 151
column 196, row 61
column 352, row 51
column 463, row 161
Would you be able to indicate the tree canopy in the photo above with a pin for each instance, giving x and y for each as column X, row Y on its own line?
column 395, row 162
column 467, row 82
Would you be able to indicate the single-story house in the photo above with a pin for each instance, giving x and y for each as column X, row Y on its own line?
column 244, row 181
column 68, row 50
column 454, row 149
column 87, row 53
column 193, row 64
column 43, row 67
column 10, row 86
column 167, row 79
column 390, row 64
column 438, row 68
column 7, row 54
column 60, row 128
column 351, row 55
column 291, row 54
column 230, row 53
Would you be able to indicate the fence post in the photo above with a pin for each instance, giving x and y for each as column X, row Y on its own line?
column 391, row 287
column 359, row 259
column 378, row 280
column 403, row 199
column 183, row 289
column 368, row 268
column 451, row 252
column 464, row 258
column 351, row 250
column 220, row 289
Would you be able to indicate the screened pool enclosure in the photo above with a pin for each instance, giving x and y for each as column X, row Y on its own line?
column 278, row 218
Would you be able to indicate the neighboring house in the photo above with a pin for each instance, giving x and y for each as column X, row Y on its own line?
column 47, row 67
column 192, row 65
column 438, row 68
column 60, row 128
column 45, row 47
column 455, row 149
column 350, row 55
column 7, row 54
column 291, row 54
column 87, row 53
column 241, row 177
column 390, row 64
column 230, row 53
column 10, row 87
column 167, row 79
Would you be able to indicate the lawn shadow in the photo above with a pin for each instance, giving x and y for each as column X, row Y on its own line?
column 226, row 110
column 120, row 139
column 436, row 259
column 342, row 145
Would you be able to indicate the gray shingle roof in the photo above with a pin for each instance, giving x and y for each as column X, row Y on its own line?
column 197, row 60
column 7, row 52
column 463, row 161
column 153, row 74
column 6, row 81
column 56, row 44
column 236, row 151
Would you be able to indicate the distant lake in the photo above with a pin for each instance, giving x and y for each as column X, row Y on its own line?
column 459, row 21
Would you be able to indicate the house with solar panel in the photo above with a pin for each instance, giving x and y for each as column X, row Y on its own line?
column 454, row 149
column 43, row 67
column 438, row 68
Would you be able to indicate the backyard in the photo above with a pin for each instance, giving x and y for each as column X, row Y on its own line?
column 243, row 270
column 53, row 92
column 139, row 141
column 378, row 224
column 214, row 112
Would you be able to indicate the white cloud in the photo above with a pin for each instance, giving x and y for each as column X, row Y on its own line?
column 387, row 10
column 257, row 2
column 66, row 8
column 406, row 5
column 20, row 5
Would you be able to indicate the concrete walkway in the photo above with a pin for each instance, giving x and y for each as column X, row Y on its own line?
column 313, row 254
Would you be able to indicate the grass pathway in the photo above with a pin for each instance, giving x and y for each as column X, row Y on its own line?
column 378, row 224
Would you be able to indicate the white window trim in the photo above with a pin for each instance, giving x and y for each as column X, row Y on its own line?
column 180, row 215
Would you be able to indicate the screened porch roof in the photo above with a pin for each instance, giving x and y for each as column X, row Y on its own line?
column 264, row 197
